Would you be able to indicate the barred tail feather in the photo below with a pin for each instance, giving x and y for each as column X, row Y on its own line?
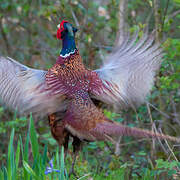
column 137, row 132
column 109, row 129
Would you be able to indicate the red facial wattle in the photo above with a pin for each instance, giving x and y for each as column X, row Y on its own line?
column 60, row 29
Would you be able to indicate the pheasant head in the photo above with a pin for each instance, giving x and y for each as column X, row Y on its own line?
column 66, row 32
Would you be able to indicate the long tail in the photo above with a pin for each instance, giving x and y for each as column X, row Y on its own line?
column 137, row 132
column 111, row 129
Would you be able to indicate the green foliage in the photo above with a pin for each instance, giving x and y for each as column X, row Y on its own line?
column 171, row 68
column 30, row 168
column 177, row 1
column 140, row 167
column 165, row 166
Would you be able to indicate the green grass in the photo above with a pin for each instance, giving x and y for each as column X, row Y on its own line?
column 29, row 160
column 21, row 166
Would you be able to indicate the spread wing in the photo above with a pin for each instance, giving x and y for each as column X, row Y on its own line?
column 128, row 72
column 24, row 89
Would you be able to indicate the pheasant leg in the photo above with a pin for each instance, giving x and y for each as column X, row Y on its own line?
column 76, row 148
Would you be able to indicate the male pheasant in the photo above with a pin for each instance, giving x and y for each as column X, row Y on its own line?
column 66, row 91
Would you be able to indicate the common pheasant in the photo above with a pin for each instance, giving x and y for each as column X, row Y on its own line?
column 66, row 92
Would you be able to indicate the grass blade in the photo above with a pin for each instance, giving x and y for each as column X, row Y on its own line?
column 10, row 162
column 4, row 173
column 62, row 164
column 25, row 153
column 29, row 169
column 34, row 140
column 17, row 155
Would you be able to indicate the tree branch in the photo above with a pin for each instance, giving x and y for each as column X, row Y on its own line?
column 122, row 24
column 8, row 48
column 157, row 15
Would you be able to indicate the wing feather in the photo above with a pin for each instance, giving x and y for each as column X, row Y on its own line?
column 128, row 72
column 24, row 89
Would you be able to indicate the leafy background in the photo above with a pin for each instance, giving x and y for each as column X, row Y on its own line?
column 28, row 34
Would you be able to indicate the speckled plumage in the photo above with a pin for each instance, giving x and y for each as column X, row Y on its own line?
column 76, row 82
column 70, row 75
